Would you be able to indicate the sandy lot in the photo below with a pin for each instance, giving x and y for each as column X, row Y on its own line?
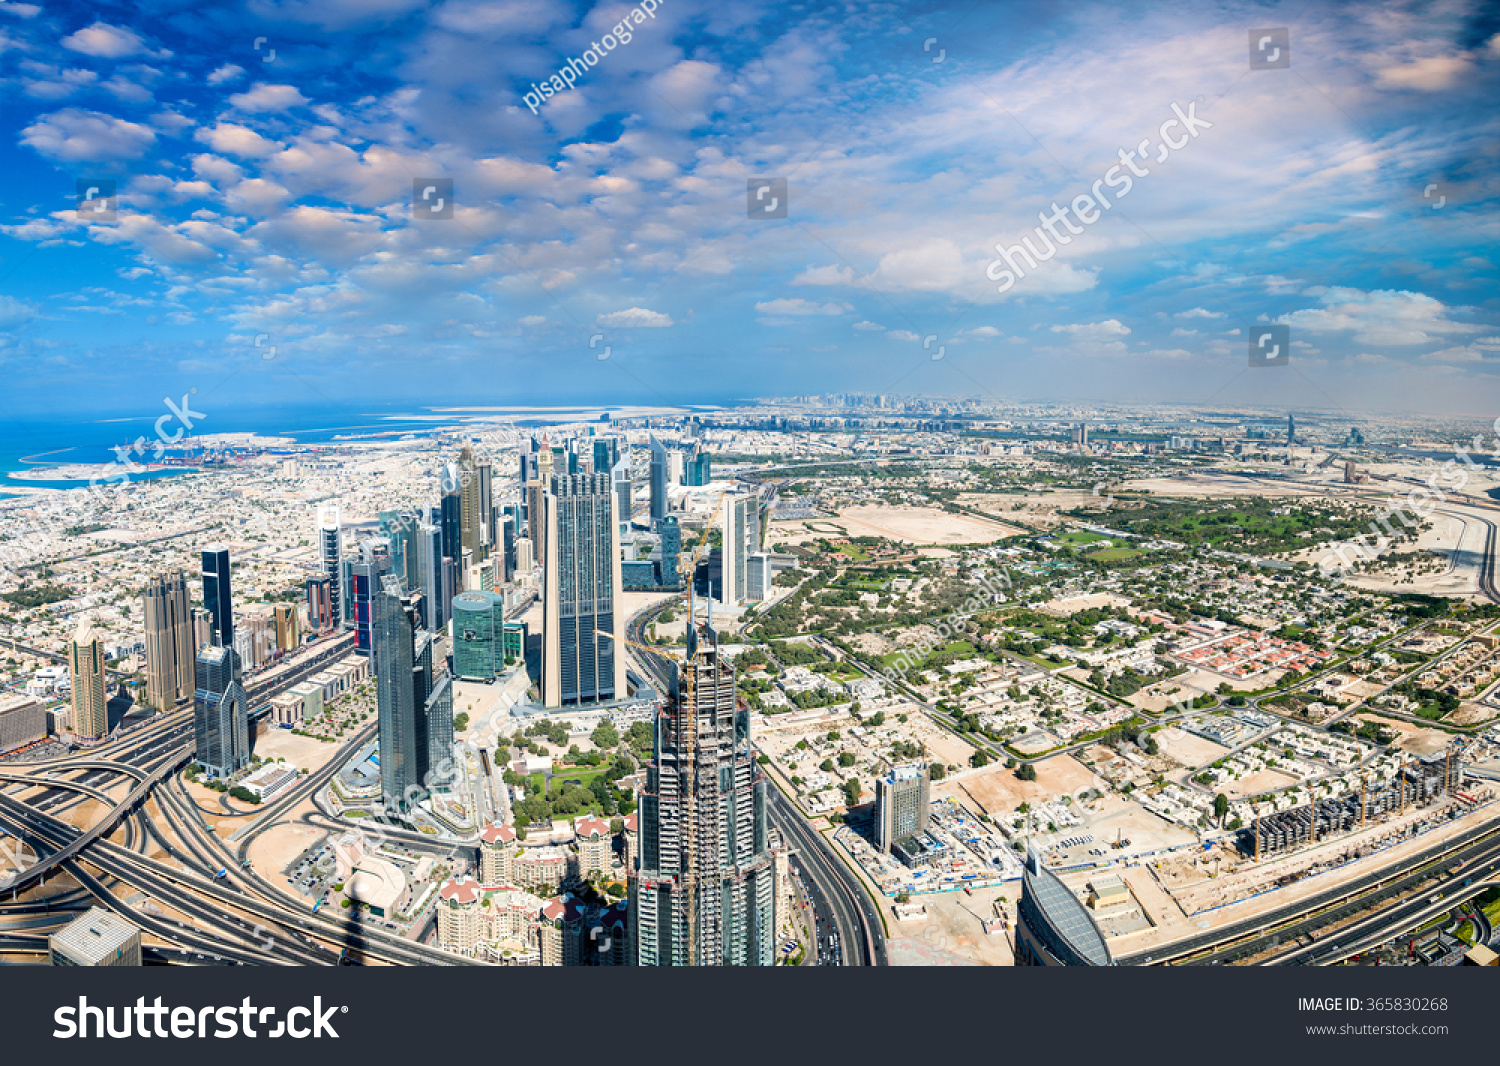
column 1184, row 748
column 996, row 790
column 1414, row 738
column 922, row 525
column 308, row 753
column 1256, row 783
column 947, row 747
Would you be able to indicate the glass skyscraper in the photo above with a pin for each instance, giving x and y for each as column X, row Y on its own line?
column 478, row 623
column 216, row 596
column 221, row 717
column 415, row 708
column 658, row 481
column 583, row 615
column 705, row 890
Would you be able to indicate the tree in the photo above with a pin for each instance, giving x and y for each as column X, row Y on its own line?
column 605, row 735
column 846, row 759
column 1221, row 807
column 852, row 792
column 460, row 721
column 903, row 898
column 826, row 766
column 935, row 771
column 979, row 758
column 1026, row 772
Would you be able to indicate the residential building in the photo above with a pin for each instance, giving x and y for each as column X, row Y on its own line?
column 90, row 690
column 903, row 805
column 23, row 721
column 170, row 648
column 595, row 847
column 331, row 550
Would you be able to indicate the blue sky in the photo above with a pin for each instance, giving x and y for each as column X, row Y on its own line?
column 271, row 198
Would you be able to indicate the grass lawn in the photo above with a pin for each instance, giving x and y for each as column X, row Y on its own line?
column 1115, row 553
column 1082, row 538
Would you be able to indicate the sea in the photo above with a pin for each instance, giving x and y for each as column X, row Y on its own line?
column 29, row 444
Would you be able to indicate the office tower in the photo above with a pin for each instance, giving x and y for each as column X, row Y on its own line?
column 221, row 719
column 284, row 616
column 471, row 520
column 95, row 938
column 485, row 473
column 217, row 600
column 758, row 574
column 526, row 555
column 1081, row 435
column 545, row 462
column 903, row 805
column 478, row 622
column 530, row 465
column 331, row 547
column 1291, row 431
column 86, row 667
column 536, row 507
column 658, row 481
column 606, row 454
column 583, row 606
column 169, row 639
column 509, row 524
column 203, row 630
column 415, row 710
column 374, row 562
column 741, row 518
column 1053, row 927
column 705, row 893
column 320, row 601
column 699, row 468
column 671, row 548
column 676, row 470
column 620, row 478
column 435, row 595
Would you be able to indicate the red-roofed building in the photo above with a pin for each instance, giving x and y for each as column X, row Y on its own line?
column 632, row 843
column 595, row 848
column 497, row 855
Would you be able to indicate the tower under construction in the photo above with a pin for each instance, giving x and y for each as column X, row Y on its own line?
column 705, row 890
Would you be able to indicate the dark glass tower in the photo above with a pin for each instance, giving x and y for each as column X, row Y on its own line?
column 364, row 579
column 415, row 708
column 705, row 890
column 671, row 547
column 658, row 481
column 583, row 613
column 216, row 596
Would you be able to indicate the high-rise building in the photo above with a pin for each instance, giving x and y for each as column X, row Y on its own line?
column 320, row 602
column 699, row 467
column 658, row 481
column 86, row 666
column 217, row 599
column 606, row 454
column 436, row 597
column 758, row 575
column 1291, row 431
column 470, row 518
column 221, row 719
column 484, row 473
column 373, row 563
column 505, row 544
column 331, row 547
column 1053, row 927
column 671, row 547
column 741, row 531
column 705, row 892
column 169, row 639
column 451, row 513
column 478, row 622
column 415, row 712
column 902, row 805
column 536, row 509
column 284, row 616
column 583, row 616
column 620, row 479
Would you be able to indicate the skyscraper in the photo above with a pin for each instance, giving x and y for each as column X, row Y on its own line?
column 658, row 481
column 415, row 710
column 620, row 478
column 699, row 467
column 86, row 667
column 217, row 600
column 221, row 717
column 1291, row 431
column 671, row 548
column 320, row 602
column 331, row 547
column 471, row 521
column 705, row 892
column 902, row 804
column 741, row 518
column 435, row 596
column 582, row 594
column 486, row 505
column 373, row 563
column 170, row 648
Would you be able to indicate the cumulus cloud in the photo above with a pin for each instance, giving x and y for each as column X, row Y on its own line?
column 105, row 41
column 1431, row 74
column 241, row 141
column 15, row 313
column 1198, row 312
column 227, row 73
column 867, row 326
column 263, row 98
column 1110, row 327
column 1381, row 316
column 800, row 307
column 635, row 318
column 74, row 135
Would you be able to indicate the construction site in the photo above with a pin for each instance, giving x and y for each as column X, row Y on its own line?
column 1423, row 782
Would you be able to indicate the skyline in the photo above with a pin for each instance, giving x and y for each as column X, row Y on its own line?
column 270, row 198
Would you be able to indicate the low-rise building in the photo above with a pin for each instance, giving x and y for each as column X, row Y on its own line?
column 95, row 938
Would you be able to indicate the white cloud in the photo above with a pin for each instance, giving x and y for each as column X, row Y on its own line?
column 800, row 307
column 14, row 312
column 868, row 326
column 833, row 274
column 263, row 98
column 241, row 141
column 635, row 318
column 1429, row 75
column 903, row 335
column 105, row 41
column 1198, row 312
column 228, row 72
column 73, row 136
column 532, row 320
column 1381, row 316
column 1180, row 332
column 1110, row 327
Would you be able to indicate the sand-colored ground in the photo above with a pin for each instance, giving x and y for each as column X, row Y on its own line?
column 1182, row 747
column 273, row 850
column 1073, row 604
column 1256, row 783
column 996, row 790
column 1160, row 696
column 921, row 525
column 307, row 753
column 1414, row 738
column 1473, row 714
column 947, row 747
column 952, row 933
